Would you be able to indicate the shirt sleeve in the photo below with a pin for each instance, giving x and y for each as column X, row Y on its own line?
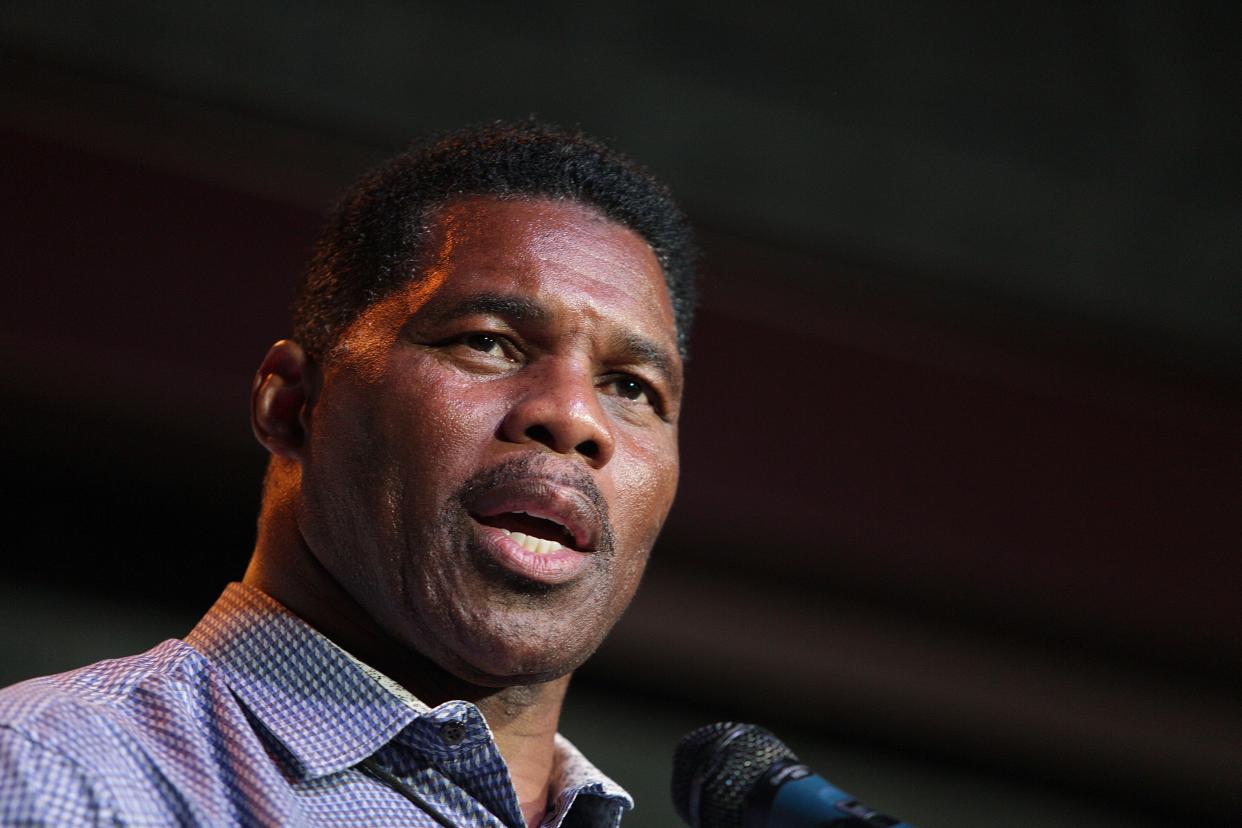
column 40, row 786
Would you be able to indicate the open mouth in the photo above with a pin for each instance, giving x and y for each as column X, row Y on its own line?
column 544, row 530
column 534, row 533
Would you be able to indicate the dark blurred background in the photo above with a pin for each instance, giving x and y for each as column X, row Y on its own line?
column 961, row 510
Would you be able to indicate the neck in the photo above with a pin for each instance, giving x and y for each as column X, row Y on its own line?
column 523, row 718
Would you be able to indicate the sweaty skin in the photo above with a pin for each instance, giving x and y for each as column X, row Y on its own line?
column 529, row 380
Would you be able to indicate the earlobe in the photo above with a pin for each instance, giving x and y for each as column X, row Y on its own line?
column 281, row 398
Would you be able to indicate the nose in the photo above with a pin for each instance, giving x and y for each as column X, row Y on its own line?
column 559, row 407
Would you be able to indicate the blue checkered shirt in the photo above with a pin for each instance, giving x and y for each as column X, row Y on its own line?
column 257, row 719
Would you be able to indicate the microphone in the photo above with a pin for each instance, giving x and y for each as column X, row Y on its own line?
column 729, row 775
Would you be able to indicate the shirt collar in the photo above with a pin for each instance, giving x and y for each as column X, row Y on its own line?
column 289, row 676
column 307, row 692
column 573, row 775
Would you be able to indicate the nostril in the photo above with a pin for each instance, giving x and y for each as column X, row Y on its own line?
column 540, row 434
column 537, row 433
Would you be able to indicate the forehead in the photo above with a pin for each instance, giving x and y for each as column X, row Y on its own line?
column 567, row 255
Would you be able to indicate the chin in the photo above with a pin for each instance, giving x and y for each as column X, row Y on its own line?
column 509, row 667
column 505, row 661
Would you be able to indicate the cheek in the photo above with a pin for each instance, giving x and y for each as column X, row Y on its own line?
column 346, row 503
column 645, row 489
column 442, row 432
column 386, row 451
column 448, row 421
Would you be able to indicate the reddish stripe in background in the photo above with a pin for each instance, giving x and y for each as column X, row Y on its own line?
column 870, row 456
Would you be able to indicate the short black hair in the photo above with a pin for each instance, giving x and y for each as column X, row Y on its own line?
column 373, row 241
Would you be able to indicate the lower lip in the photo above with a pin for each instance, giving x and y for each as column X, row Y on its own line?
column 556, row 567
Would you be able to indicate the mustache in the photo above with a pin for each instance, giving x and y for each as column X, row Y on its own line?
column 535, row 467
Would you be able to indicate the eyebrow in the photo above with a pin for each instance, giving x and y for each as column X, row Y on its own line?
column 516, row 308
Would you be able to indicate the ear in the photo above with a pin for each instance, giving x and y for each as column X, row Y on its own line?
column 281, row 398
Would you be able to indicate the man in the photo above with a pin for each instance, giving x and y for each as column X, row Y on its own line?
column 473, row 438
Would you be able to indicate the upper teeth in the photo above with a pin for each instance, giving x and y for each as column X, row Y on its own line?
column 531, row 543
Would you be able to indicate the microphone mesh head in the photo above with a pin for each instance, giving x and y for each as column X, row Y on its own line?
column 723, row 761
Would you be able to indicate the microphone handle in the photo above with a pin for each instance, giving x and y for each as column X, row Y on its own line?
column 791, row 795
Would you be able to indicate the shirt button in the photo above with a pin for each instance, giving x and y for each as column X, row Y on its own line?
column 452, row 732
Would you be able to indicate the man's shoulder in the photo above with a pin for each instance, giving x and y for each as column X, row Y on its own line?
column 85, row 746
column 107, row 697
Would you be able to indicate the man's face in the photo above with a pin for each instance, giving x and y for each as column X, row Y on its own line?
column 527, row 385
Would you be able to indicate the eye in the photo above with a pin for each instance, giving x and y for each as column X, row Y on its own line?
column 630, row 388
column 491, row 345
column 481, row 350
column 484, row 343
